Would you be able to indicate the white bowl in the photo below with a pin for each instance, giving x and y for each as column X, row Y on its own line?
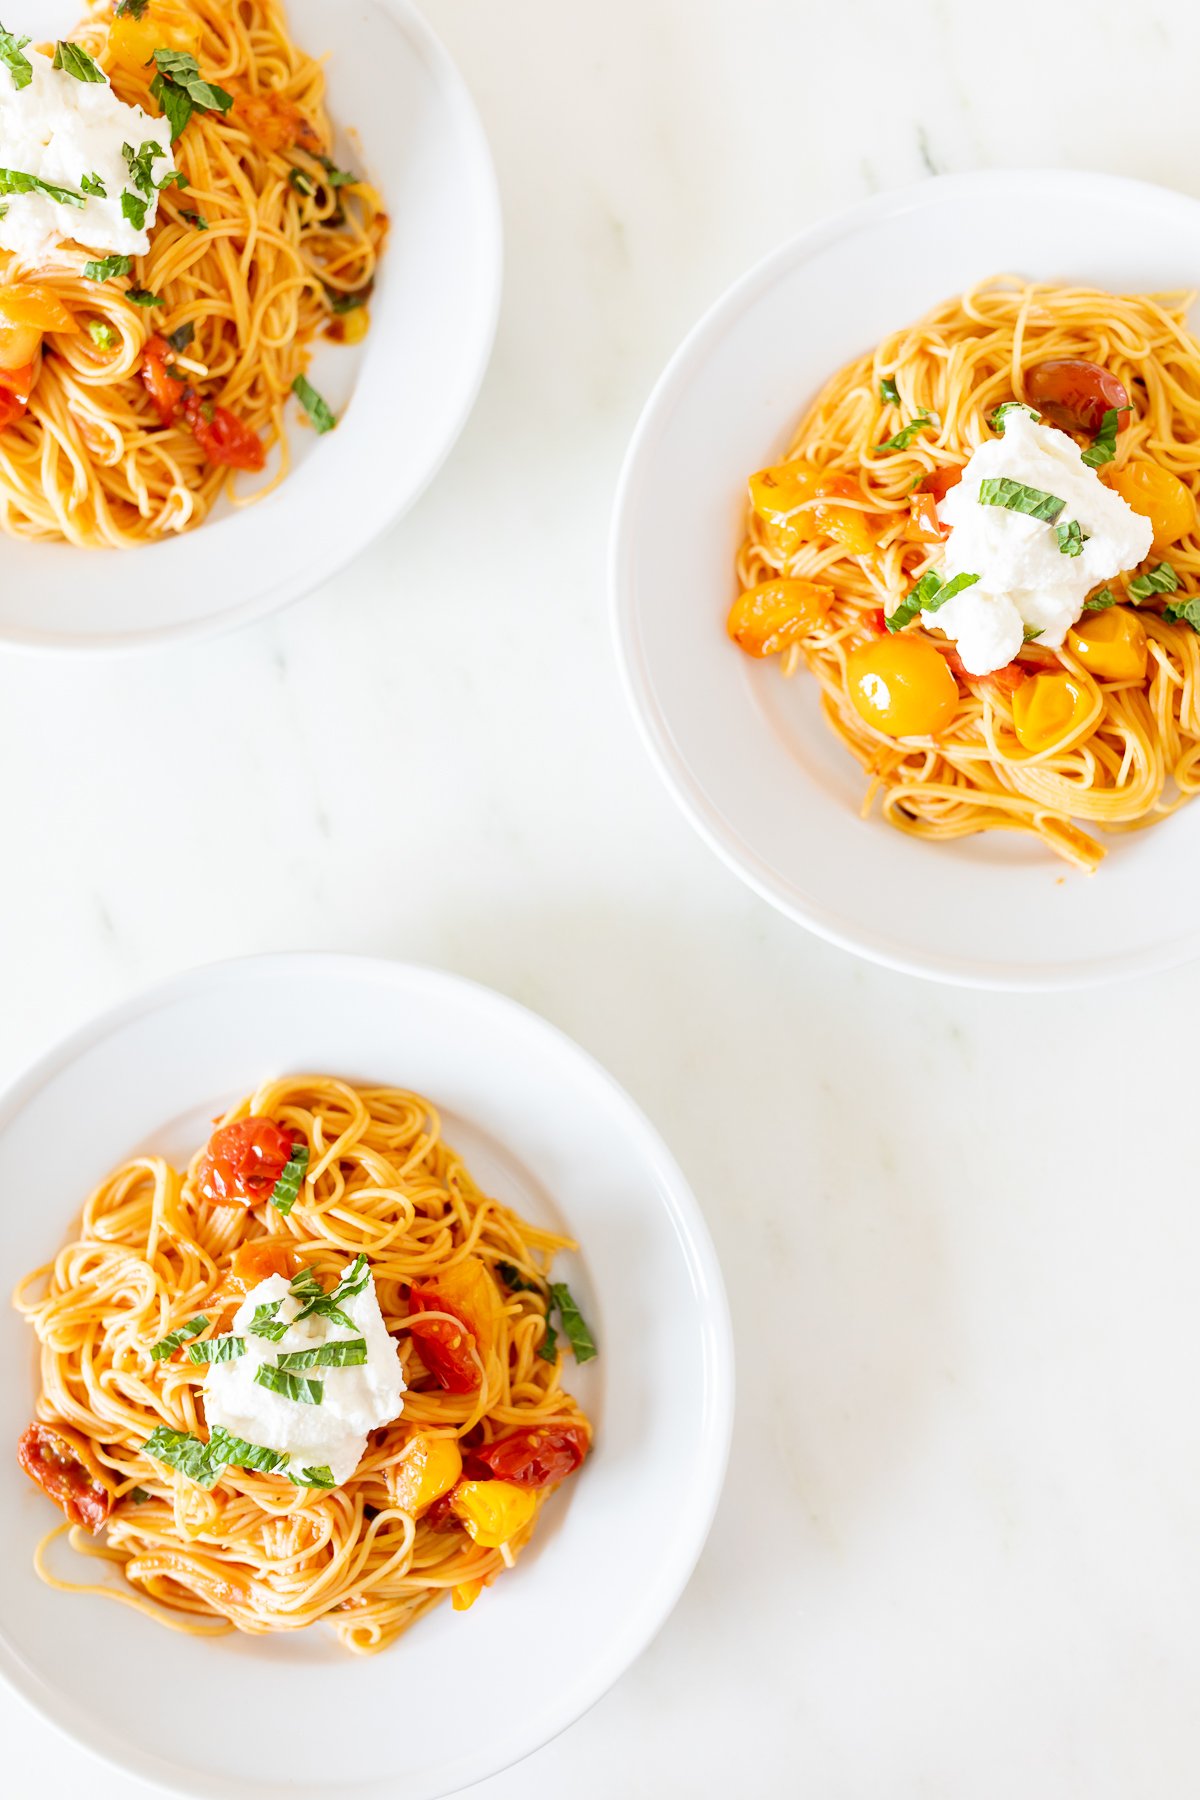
column 404, row 117
column 745, row 753
column 542, row 1126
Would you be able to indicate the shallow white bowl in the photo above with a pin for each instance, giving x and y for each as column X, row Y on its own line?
column 405, row 119
column 745, row 753
column 544, row 1128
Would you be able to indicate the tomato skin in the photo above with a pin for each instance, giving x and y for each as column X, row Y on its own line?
column 902, row 686
column 66, row 1471
column 445, row 1347
column 11, row 409
column 925, row 522
column 535, row 1457
column 164, row 389
column 225, row 441
column 262, row 1257
column 1076, row 394
column 940, row 482
column 243, row 1162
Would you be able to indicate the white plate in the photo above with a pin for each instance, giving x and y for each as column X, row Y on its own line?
column 403, row 116
column 745, row 753
column 541, row 1124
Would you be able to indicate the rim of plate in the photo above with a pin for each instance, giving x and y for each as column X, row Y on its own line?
column 280, row 594
column 654, row 728
column 695, row 1244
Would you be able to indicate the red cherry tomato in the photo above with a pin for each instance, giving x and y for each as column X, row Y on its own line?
column 445, row 1345
column 223, row 438
column 536, row 1457
column 1076, row 394
column 244, row 1161
column 11, row 408
column 65, row 1469
column 164, row 389
column 940, row 482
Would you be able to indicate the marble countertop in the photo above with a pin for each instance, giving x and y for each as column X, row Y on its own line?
column 959, row 1548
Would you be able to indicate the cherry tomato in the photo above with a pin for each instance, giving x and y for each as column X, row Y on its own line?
column 941, row 481
column 244, row 1161
column 776, row 613
column 18, row 382
column 925, row 522
column 1158, row 496
column 65, row 1468
column 11, row 408
column 223, row 438
column 536, row 1457
column 253, row 1262
column 1076, row 394
column 166, row 25
column 446, row 1345
column 902, row 685
column 1111, row 645
column 1047, row 709
column 164, row 389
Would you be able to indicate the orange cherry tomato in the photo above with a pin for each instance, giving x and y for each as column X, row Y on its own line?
column 445, row 1345
column 24, row 303
column 11, row 408
column 164, row 389
column 18, row 382
column 940, row 481
column 1111, row 645
column 536, row 1457
column 1047, row 709
column 65, row 1468
column 776, row 613
column 163, row 25
column 1158, row 496
column 255, row 1261
column 244, row 1161
column 1076, row 394
column 902, row 685
column 222, row 436
column 926, row 525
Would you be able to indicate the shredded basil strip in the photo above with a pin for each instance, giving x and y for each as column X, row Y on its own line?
column 142, row 297
column 904, row 437
column 76, row 61
column 218, row 1349
column 1161, row 579
column 196, row 219
column 334, row 176
column 1030, row 632
column 345, row 303
column 517, row 1283
column 292, row 1387
column 1000, row 413
column 138, row 1495
column 107, row 267
column 1184, row 612
column 181, row 337
column 930, row 593
column 18, row 66
column 180, row 91
column 92, row 184
column 339, row 1353
column 302, row 182
column 287, row 1189
column 134, row 8
column 19, row 181
column 172, row 178
column 1103, row 446
column 316, row 408
column 167, row 1346
column 320, row 1477
column 265, row 1324
column 889, row 393
column 1035, row 503
column 578, row 1335
column 306, row 1288
column 1071, row 537
column 1100, row 601
column 101, row 334
column 203, row 1463
column 133, row 207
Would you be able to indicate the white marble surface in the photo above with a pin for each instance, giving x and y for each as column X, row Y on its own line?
column 959, row 1550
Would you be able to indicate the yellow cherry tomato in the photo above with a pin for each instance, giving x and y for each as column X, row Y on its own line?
column 1047, row 709
column 493, row 1511
column 1111, row 645
column 466, row 1594
column 776, row 492
column 163, row 25
column 769, row 617
column 428, row 1469
column 1158, row 496
column 902, row 685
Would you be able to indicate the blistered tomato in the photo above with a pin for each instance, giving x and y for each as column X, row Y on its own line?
column 769, row 617
column 493, row 1511
column 428, row 1469
column 1111, row 645
column 243, row 1162
column 1047, row 709
column 1158, row 496
column 902, row 685
column 775, row 493
column 1076, row 394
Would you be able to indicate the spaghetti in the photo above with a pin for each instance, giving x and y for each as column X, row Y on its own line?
column 1100, row 734
column 124, row 419
column 443, row 1499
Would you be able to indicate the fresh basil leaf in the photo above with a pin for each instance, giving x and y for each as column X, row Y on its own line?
column 1071, row 537
column 19, row 181
column 75, row 61
column 1035, row 503
column 132, row 9
column 1100, row 600
column 101, row 334
column 173, row 178
column 142, row 297
column 167, row 1346
column 225, row 1448
column 307, row 1289
column 517, row 1283
column 92, row 184
column 138, row 1495
column 175, row 102
column 180, row 69
column 338, row 1353
column 354, row 1280
column 305, row 1285
column 1184, row 612
column 316, row 408
column 889, row 393
column 18, row 66
column 217, row 1349
column 292, row 1387
column 1161, row 579
column 287, row 1189
column 346, row 303
column 548, row 1348
column 1000, row 413
column 303, row 183
column 196, row 219
column 139, row 163
column 930, row 593
column 578, row 1335
column 320, row 1477
column 265, row 1324
column 181, row 337
column 180, row 1450
column 904, row 437
column 334, row 176
column 107, row 267
column 1103, row 446
column 134, row 209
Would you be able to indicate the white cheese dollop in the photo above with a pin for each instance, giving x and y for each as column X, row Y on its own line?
column 1024, row 578
column 354, row 1400
column 60, row 130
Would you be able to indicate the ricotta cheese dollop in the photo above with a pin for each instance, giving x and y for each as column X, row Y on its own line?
column 1025, row 580
column 354, row 1400
column 60, row 130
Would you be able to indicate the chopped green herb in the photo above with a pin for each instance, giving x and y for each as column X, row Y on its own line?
column 196, row 219
column 999, row 415
column 345, row 303
column 18, row 66
column 1001, row 490
column 578, row 1335
column 904, row 437
column 334, row 176
column 180, row 1450
column 265, row 1324
column 338, row 1353
column 292, row 1387
column 517, row 1283
column 889, row 393
column 1103, row 446
column 76, row 61
column 1100, row 600
column 548, row 1348
column 92, row 184
column 172, row 178
column 142, row 297
column 316, row 408
column 131, row 8
column 1028, row 634
column 180, row 91
column 218, row 1349
column 1185, row 612
column 930, row 593
column 314, row 1300
column 19, row 181
column 167, row 1346
column 139, row 163
column 1161, row 579
column 180, row 338
column 138, row 1495
column 303, row 184
column 107, row 267
column 287, row 1189
column 321, row 1477
column 101, row 334
column 134, row 209
column 1071, row 537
